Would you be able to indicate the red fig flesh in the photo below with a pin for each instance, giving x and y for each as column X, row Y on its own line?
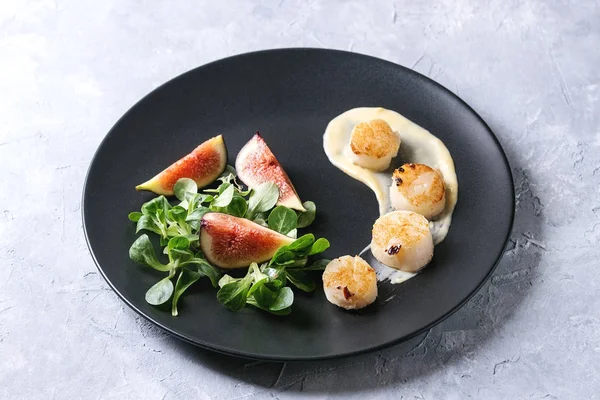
column 203, row 165
column 256, row 164
column 231, row 242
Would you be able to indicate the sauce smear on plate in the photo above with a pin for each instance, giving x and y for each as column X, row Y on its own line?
column 417, row 146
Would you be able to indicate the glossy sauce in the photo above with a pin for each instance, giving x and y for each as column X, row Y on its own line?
column 417, row 146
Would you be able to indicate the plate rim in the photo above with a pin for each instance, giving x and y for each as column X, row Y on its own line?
column 277, row 358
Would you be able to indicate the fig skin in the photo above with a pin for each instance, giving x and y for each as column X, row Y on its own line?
column 256, row 164
column 204, row 165
column 231, row 242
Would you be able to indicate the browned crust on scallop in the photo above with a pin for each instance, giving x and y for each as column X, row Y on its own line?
column 350, row 281
column 404, row 176
column 374, row 138
column 405, row 227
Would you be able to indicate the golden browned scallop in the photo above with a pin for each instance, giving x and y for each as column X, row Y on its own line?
column 402, row 240
column 418, row 188
column 350, row 282
column 373, row 144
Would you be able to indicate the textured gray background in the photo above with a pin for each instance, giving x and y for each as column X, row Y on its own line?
column 69, row 69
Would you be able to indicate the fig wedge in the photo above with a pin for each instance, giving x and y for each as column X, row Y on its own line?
column 256, row 164
column 232, row 242
column 205, row 164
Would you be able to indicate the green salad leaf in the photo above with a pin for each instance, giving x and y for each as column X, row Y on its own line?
column 301, row 280
column 134, row 216
column 307, row 217
column 284, row 299
column 262, row 198
column 186, row 279
column 160, row 293
column 302, row 243
column 319, row 246
column 182, row 263
column 224, row 198
column 142, row 252
column 178, row 228
column 282, row 220
column 267, row 290
column 318, row 265
column 146, row 223
column 233, row 295
column 205, row 269
column 184, row 186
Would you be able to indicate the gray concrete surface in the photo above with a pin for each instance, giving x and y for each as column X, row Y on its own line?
column 69, row 69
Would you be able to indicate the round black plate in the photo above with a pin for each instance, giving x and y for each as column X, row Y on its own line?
column 290, row 96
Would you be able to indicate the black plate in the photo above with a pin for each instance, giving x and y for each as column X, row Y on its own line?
column 290, row 96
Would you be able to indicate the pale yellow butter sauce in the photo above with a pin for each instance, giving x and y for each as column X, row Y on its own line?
column 417, row 146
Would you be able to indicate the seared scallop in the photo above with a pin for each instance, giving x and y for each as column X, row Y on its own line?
column 373, row 144
column 418, row 188
column 402, row 240
column 350, row 282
